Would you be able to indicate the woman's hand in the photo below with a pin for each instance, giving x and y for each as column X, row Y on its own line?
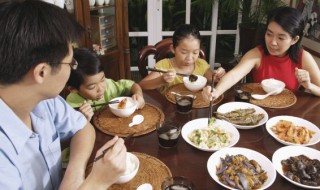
column 303, row 78
column 208, row 95
column 86, row 110
column 219, row 73
column 169, row 76
column 139, row 98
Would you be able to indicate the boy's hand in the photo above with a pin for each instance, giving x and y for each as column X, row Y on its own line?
column 139, row 98
column 86, row 110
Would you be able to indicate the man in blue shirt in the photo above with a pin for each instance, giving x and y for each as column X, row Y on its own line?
column 35, row 64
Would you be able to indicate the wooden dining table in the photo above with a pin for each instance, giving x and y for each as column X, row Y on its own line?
column 185, row 160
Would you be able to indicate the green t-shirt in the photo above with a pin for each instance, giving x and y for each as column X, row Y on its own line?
column 113, row 89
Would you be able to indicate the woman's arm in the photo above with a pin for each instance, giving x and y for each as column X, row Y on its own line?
column 309, row 75
column 249, row 61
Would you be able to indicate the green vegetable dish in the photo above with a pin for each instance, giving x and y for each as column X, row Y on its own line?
column 212, row 137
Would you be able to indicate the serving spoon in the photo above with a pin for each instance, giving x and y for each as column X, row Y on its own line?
column 192, row 77
column 136, row 120
column 261, row 97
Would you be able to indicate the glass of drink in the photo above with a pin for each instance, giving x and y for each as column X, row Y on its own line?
column 168, row 134
column 240, row 95
column 184, row 101
column 177, row 182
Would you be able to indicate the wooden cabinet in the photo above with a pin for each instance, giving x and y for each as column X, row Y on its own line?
column 107, row 26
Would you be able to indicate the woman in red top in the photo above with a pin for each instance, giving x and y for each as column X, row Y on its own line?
column 280, row 57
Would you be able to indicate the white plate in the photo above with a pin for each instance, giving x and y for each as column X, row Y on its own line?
column 203, row 123
column 298, row 122
column 287, row 151
column 264, row 162
column 231, row 106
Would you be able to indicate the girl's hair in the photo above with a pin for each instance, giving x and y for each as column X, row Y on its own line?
column 291, row 21
column 183, row 32
column 88, row 65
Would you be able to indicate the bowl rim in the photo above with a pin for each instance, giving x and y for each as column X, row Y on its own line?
column 137, row 166
column 186, row 80
column 115, row 106
column 282, row 84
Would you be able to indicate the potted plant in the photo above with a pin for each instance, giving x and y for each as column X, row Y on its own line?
column 253, row 21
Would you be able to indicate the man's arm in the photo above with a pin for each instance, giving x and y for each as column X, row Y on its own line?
column 80, row 150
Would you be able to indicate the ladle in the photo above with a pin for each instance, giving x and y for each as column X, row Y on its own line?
column 192, row 77
column 261, row 97
column 136, row 120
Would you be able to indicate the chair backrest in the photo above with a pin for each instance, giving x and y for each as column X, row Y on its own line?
column 160, row 51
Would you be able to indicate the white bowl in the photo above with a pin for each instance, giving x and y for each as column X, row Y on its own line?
column 297, row 122
column 288, row 151
column 270, row 85
column 264, row 162
column 231, row 106
column 196, row 85
column 131, row 106
column 201, row 123
column 133, row 163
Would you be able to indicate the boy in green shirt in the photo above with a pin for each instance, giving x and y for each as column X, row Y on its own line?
column 88, row 85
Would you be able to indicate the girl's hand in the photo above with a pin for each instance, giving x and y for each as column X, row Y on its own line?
column 86, row 110
column 169, row 76
column 219, row 73
column 303, row 78
column 139, row 98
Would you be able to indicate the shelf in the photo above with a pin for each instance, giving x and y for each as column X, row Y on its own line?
column 94, row 8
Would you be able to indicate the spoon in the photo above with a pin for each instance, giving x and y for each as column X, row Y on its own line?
column 192, row 77
column 261, row 97
column 136, row 120
column 145, row 186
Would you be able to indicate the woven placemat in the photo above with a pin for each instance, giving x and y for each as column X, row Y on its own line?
column 110, row 124
column 199, row 102
column 283, row 100
column 151, row 170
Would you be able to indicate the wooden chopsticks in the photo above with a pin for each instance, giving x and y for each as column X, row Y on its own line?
column 211, row 101
column 104, row 151
column 101, row 104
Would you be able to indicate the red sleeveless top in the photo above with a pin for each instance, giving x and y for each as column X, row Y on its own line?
column 280, row 68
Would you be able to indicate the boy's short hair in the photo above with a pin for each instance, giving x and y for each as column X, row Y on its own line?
column 88, row 65
column 32, row 32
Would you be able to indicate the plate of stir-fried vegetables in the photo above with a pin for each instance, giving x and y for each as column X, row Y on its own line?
column 241, row 168
column 210, row 137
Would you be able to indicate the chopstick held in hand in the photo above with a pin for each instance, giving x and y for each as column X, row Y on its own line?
column 211, row 101
column 104, row 151
column 101, row 104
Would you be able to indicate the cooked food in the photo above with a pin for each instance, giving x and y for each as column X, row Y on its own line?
column 239, row 172
column 287, row 131
column 122, row 104
column 302, row 169
column 241, row 116
column 212, row 137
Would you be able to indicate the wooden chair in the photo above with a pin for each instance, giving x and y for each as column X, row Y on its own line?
column 160, row 51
